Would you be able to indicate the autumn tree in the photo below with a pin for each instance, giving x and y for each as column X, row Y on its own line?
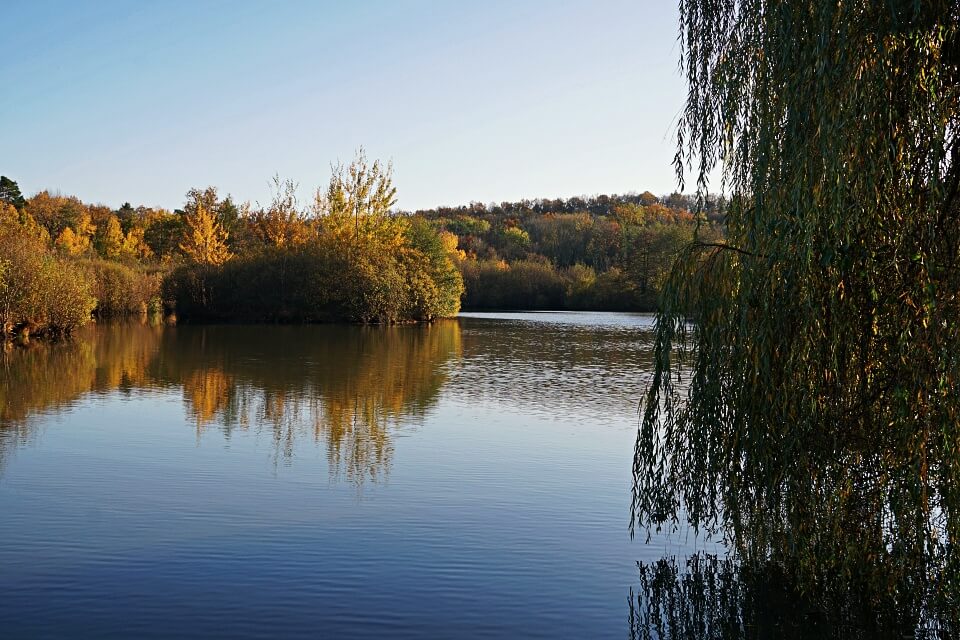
column 8, row 214
column 135, row 246
column 204, row 240
column 110, row 239
column 358, row 200
column 39, row 292
column 283, row 223
column 76, row 239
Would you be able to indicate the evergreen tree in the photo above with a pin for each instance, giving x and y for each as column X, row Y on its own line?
column 10, row 193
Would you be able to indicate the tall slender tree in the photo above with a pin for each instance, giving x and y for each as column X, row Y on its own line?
column 205, row 241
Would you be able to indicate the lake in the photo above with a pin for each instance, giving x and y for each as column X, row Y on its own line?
column 469, row 478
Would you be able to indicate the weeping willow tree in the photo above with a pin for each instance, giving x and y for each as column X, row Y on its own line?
column 806, row 396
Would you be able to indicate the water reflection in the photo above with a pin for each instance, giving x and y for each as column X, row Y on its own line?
column 843, row 534
column 344, row 387
column 39, row 378
column 861, row 548
column 709, row 597
column 556, row 364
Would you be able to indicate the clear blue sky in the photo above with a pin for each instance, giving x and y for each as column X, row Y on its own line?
column 489, row 100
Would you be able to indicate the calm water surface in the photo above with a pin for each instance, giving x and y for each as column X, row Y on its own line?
column 465, row 479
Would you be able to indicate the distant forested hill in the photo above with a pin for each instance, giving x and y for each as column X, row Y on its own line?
column 602, row 252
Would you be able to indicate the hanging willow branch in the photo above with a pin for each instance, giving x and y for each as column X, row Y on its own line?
column 818, row 405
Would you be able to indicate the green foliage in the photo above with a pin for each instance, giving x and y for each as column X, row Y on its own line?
column 512, row 242
column 439, row 285
column 163, row 234
column 359, row 195
column 10, row 193
column 525, row 284
column 807, row 389
column 629, row 242
column 274, row 285
column 622, row 273
column 399, row 266
column 563, row 237
column 464, row 225
column 365, row 262
column 317, row 282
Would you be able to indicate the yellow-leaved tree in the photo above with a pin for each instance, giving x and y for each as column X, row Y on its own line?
column 283, row 223
column 205, row 240
column 355, row 209
column 109, row 238
column 76, row 240
column 135, row 245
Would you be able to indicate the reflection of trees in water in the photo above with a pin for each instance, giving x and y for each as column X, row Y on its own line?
column 853, row 532
column 706, row 597
column 43, row 377
column 861, row 526
column 554, row 368
column 343, row 386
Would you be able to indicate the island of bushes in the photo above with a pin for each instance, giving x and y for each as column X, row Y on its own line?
column 347, row 256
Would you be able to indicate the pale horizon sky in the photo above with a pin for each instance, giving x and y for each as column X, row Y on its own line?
column 492, row 101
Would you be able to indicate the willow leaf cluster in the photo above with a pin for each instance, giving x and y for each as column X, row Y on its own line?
column 807, row 387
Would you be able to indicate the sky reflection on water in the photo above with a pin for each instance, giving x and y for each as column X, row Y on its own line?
column 465, row 479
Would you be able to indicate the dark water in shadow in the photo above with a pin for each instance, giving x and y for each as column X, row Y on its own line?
column 465, row 479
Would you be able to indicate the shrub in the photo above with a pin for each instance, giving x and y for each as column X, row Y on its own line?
column 39, row 293
column 121, row 290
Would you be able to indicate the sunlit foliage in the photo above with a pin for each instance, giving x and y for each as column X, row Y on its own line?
column 352, row 259
column 205, row 240
column 109, row 239
column 40, row 293
column 121, row 290
column 283, row 223
column 629, row 242
column 349, row 255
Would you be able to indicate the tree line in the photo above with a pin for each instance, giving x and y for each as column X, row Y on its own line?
column 347, row 255
column 609, row 252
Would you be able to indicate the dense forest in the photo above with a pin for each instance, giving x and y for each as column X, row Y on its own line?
column 348, row 255
column 609, row 252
